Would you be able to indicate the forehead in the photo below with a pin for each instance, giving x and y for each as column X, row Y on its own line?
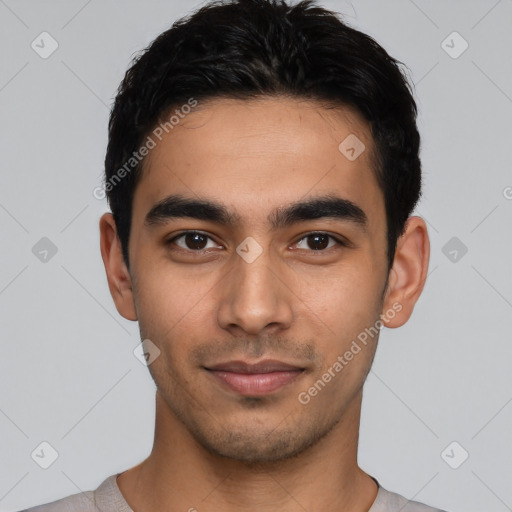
column 252, row 155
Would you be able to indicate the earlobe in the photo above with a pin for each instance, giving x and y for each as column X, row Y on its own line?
column 408, row 274
column 118, row 276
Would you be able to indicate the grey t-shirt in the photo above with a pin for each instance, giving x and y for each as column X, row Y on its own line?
column 108, row 498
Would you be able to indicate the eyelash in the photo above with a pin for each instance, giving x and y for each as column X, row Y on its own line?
column 339, row 241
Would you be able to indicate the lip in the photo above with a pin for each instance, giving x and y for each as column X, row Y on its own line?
column 264, row 366
column 254, row 379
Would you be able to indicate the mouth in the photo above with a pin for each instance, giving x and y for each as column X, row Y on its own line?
column 254, row 379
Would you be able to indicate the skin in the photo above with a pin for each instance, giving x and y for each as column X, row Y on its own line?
column 216, row 450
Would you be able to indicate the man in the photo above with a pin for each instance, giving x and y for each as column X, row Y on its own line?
column 262, row 167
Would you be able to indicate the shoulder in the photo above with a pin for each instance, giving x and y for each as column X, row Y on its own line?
column 88, row 501
column 81, row 502
column 387, row 501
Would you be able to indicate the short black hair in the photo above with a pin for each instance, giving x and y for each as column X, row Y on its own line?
column 249, row 49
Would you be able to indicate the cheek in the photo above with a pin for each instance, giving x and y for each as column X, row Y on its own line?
column 170, row 297
column 349, row 292
column 347, row 346
column 343, row 308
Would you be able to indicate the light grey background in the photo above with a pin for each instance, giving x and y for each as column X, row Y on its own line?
column 69, row 376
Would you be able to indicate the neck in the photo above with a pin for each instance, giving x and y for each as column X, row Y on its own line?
column 180, row 474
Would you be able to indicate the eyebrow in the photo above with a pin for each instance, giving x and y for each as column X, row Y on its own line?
column 327, row 206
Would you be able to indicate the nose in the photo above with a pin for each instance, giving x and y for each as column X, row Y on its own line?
column 254, row 297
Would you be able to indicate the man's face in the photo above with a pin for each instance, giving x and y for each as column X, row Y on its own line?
column 259, row 288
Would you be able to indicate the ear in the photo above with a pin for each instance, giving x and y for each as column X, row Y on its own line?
column 408, row 274
column 118, row 275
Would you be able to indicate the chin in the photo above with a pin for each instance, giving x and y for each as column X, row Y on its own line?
column 252, row 447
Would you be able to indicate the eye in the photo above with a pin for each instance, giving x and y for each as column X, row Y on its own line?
column 319, row 242
column 192, row 241
column 197, row 241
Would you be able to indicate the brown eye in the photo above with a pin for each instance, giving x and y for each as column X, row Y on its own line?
column 192, row 240
column 318, row 242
